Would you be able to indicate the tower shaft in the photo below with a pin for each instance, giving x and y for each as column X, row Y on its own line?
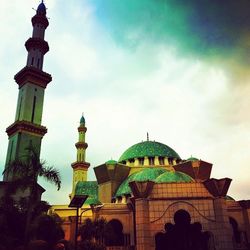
column 27, row 130
column 80, row 166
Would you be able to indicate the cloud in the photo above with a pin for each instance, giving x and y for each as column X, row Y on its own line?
column 215, row 31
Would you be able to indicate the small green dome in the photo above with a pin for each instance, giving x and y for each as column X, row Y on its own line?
column 192, row 159
column 147, row 174
column 82, row 120
column 227, row 197
column 150, row 149
column 111, row 162
column 176, row 176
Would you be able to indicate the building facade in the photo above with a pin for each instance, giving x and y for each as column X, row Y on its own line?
column 150, row 196
column 150, row 188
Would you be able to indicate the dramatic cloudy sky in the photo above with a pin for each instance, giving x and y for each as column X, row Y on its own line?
column 176, row 69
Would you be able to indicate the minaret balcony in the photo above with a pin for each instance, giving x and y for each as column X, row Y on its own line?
column 34, row 76
column 28, row 127
column 81, row 145
column 82, row 129
column 37, row 43
column 80, row 165
column 41, row 20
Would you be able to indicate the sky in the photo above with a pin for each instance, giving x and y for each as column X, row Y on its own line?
column 178, row 70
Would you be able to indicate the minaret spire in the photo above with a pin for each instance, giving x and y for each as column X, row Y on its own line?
column 32, row 81
column 80, row 166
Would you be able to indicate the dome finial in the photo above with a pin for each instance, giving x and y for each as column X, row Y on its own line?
column 147, row 137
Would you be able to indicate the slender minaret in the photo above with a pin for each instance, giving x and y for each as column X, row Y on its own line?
column 32, row 81
column 80, row 166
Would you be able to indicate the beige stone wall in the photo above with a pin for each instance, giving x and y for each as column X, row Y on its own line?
column 119, row 212
column 235, row 211
column 241, row 216
column 109, row 211
column 165, row 199
column 105, row 192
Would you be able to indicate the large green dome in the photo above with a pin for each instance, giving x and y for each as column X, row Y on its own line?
column 150, row 149
column 176, row 176
column 147, row 174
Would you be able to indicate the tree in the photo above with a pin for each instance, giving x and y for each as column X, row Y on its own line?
column 12, row 223
column 92, row 234
column 25, row 172
column 48, row 228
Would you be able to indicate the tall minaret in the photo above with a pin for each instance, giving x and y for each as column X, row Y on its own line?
column 80, row 167
column 32, row 81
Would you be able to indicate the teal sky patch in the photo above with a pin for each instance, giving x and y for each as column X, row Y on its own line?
column 205, row 29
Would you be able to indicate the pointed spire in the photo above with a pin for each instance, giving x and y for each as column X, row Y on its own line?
column 147, row 137
column 41, row 9
column 82, row 120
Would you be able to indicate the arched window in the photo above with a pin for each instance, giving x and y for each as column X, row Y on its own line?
column 114, row 233
column 236, row 232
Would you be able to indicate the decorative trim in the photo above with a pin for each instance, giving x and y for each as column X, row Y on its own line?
column 172, row 204
column 141, row 189
column 32, row 75
column 82, row 129
column 217, row 187
column 25, row 126
column 81, row 145
column 80, row 165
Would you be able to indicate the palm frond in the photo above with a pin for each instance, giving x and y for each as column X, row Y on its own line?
column 17, row 168
column 52, row 175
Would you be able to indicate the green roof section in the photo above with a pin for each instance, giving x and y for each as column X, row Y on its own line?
column 82, row 120
column 147, row 174
column 111, row 162
column 150, row 149
column 89, row 188
column 170, row 177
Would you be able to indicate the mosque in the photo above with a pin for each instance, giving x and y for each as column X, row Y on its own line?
column 148, row 189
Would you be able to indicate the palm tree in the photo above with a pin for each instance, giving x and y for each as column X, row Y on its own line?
column 25, row 172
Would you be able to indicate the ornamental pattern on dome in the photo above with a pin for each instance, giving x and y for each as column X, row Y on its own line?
column 89, row 188
column 158, row 175
column 170, row 176
column 147, row 174
column 149, row 149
